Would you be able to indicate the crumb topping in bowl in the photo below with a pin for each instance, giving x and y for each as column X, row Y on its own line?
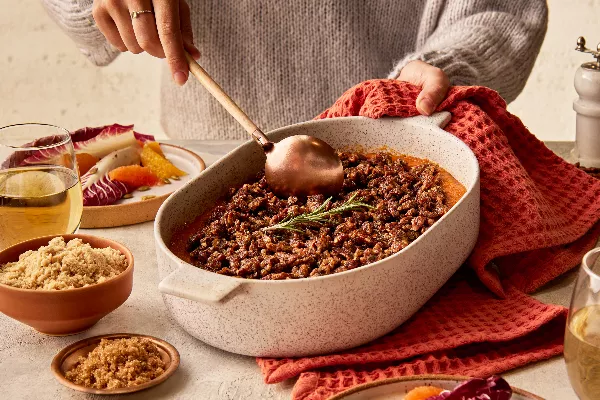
column 61, row 265
column 404, row 197
column 118, row 363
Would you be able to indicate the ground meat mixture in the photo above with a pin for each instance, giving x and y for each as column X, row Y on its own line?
column 406, row 201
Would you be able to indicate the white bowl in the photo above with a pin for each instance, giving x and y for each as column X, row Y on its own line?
column 319, row 315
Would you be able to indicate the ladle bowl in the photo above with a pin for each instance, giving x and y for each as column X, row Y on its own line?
column 296, row 166
column 303, row 165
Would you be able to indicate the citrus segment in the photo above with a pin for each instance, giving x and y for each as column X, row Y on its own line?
column 85, row 162
column 156, row 147
column 158, row 164
column 423, row 393
column 134, row 176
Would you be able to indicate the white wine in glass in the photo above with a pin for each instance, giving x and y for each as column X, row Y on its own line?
column 582, row 336
column 40, row 192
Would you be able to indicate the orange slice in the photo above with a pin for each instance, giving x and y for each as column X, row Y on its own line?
column 134, row 176
column 158, row 164
column 423, row 393
column 156, row 147
column 85, row 162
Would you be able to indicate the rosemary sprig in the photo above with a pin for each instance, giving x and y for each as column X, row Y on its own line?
column 319, row 215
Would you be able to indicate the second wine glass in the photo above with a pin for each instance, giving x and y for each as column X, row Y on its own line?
column 582, row 337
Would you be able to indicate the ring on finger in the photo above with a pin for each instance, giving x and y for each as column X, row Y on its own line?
column 135, row 14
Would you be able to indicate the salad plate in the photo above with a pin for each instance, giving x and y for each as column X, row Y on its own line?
column 142, row 206
column 398, row 388
column 125, row 175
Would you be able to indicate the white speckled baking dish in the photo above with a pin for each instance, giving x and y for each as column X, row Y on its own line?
column 322, row 314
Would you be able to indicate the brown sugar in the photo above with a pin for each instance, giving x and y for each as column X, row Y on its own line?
column 118, row 363
column 60, row 266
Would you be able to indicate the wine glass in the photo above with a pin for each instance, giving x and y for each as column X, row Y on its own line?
column 40, row 192
column 582, row 337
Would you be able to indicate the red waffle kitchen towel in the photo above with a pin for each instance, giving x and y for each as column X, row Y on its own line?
column 538, row 218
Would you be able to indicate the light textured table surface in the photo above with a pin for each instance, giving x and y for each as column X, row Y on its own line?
column 205, row 373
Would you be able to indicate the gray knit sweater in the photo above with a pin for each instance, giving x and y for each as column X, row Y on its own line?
column 285, row 61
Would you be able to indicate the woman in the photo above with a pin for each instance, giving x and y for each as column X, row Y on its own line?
column 285, row 61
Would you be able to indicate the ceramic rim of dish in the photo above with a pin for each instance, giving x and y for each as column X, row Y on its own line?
column 168, row 348
column 458, row 378
column 70, row 236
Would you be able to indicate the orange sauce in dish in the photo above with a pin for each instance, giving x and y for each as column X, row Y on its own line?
column 453, row 189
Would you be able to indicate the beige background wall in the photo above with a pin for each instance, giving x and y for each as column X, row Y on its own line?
column 546, row 104
column 44, row 78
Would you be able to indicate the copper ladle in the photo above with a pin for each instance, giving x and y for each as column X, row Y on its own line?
column 298, row 165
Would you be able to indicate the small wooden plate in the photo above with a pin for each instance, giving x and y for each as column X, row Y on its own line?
column 66, row 359
column 134, row 210
column 397, row 388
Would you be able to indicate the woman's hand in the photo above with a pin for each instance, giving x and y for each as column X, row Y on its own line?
column 433, row 80
column 165, row 33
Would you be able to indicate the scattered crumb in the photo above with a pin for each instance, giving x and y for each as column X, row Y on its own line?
column 60, row 266
column 117, row 363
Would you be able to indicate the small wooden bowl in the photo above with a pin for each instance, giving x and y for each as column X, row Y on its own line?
column 70, row 311
column 66, row 359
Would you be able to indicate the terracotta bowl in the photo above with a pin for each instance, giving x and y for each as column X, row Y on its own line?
column 65, row 312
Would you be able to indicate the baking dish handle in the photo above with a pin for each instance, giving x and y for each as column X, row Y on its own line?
column 439, row 119
column 186, row 283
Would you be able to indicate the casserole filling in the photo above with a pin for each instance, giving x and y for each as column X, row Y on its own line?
column 403, row 196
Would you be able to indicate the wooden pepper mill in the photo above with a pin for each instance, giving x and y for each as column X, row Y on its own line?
column 587, row 107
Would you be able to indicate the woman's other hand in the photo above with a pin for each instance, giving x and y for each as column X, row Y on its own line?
column 433, row 81
column 165, row 33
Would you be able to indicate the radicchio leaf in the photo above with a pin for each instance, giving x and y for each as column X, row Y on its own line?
column 98, row 188
column 47, row 156
column 98, row 141
column 493, row 388
column 88, row 133
column 143, row 137
column 104, row 192
column 99, row 144
column 18, row 158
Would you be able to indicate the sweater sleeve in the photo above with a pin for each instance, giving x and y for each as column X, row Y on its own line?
column 74, row 17
column 479, row 42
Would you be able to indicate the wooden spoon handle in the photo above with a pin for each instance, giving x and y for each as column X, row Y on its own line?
column 226, row 101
